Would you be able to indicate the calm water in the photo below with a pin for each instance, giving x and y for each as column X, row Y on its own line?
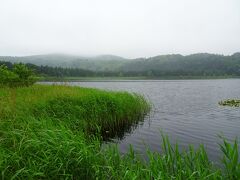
column 187, row 110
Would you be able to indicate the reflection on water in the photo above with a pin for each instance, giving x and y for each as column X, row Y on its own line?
column 186, row 110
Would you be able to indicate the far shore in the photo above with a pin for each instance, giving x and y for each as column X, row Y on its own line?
column 137, row 78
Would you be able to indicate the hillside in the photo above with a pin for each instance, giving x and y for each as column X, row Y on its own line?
column 195, row 64
column 202, row 64
column 94, row 63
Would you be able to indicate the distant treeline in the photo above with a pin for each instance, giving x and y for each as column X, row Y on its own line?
column 192, row 65
column 158, row 66
column 62, row 72
column 54, row 71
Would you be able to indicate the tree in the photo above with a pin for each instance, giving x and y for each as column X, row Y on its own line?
column 20, row 75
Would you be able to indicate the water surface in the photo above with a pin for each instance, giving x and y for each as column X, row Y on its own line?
column 186, row 110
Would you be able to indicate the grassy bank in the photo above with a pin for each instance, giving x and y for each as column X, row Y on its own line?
column 77, row 108
column 54, row 132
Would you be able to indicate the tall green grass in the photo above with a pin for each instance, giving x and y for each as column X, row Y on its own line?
column 54, row 132
column 85, row 109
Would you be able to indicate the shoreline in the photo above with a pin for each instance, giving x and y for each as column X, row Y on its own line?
column 125, row 79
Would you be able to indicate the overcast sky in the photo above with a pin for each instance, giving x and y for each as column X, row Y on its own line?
column 129, row 28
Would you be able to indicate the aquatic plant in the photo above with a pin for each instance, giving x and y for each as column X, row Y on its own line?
column 230, row 102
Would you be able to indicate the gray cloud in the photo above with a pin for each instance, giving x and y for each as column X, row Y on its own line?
column 129, row 28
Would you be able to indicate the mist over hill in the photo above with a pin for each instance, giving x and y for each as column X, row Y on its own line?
column 201, row 64
column 94, row 63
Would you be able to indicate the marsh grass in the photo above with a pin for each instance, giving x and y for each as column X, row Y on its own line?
column 49, row 136
column 93, row 110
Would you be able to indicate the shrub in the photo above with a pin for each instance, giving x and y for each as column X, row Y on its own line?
column 20, row 75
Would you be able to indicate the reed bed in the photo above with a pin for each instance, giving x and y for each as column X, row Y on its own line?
column 55, row 132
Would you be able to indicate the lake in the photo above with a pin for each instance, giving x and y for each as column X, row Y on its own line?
column 186, row 110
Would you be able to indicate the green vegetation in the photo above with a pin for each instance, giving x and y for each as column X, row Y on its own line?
column 19, row 75
column 55, row 132
column 173, row 66
column 230, row 102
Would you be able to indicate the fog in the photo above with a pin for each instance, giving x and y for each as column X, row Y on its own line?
column 128, row 28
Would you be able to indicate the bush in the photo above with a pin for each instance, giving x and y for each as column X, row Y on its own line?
column 20, row 75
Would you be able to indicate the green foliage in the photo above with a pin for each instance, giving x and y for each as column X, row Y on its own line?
column 94, row 109
column 44, row 142
column 20, row 75
column 7, row 77
column 231, row 159
column 38, row 141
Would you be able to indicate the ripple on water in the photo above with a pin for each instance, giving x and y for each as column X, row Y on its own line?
column 187, row 110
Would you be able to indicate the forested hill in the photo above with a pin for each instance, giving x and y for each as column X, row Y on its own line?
column 196, row 64
column 202, row 64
